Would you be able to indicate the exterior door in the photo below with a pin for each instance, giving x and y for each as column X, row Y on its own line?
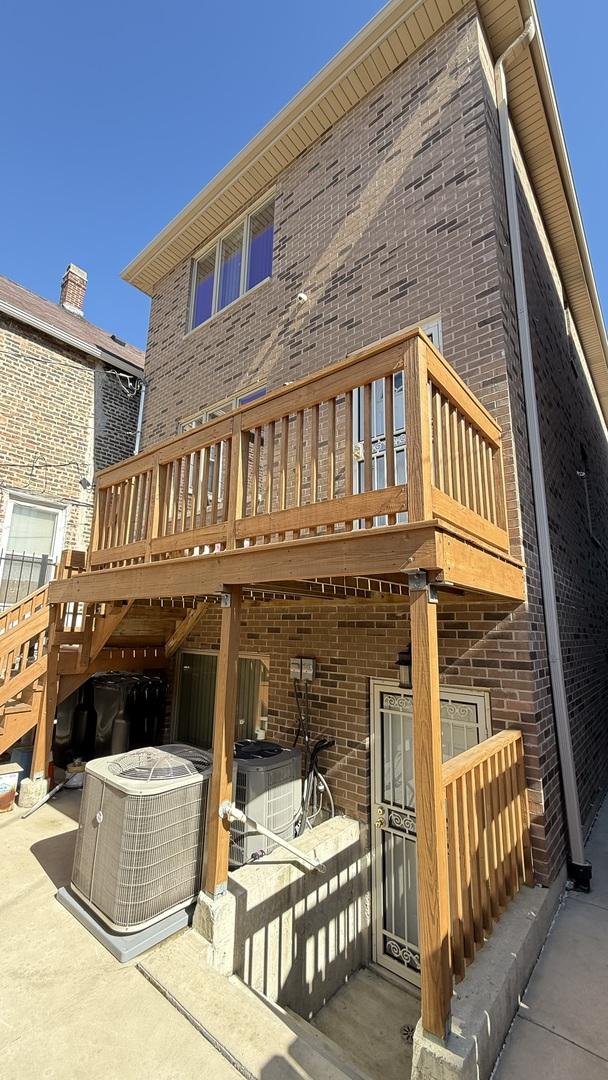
column 465, row 721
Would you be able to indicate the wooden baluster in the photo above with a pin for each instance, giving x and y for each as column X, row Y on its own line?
column 241, row 456
column 490, row 485
column 269, row 478
column 389, row 438
column 464, row 471
column 498, row 855
column 438, row 441
column 447, row 447
column 504, row 826
column 499, row 489
column 206, row 457
column 299, row 452
column 510, row 795
column 477, row 866
column 283, row 463
column 331, row 453
column 456, row 454
column 418, row 432
column 196, row 489
column 473, row 482
column 478, row 475
column 131, row 510
column 465, row 870
column 314, row 456
column 368, row 465
column 523, row 813
column 454, row 869
column 140, row 482
column 218, row 449
column 255, row 471
column 158, row 508
column 237, row 467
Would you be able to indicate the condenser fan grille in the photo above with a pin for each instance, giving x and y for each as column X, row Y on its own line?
column 151, row 765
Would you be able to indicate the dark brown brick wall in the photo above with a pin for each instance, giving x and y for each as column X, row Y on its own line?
column 395, row 216
column 574, row 440
column 353, row 642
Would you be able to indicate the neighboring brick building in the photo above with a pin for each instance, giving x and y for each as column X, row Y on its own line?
column 69, row 401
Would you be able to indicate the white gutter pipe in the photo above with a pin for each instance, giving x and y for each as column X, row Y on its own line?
column 140, row 416
column 230, row 811
column 578, row 868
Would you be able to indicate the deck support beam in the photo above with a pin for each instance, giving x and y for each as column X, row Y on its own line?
column 218, row 829
column 431, row 851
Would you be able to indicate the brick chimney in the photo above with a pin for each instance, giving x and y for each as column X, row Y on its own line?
column 73, row 289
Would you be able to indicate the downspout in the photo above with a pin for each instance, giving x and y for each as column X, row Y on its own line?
column 140, row 416
column 579, row 869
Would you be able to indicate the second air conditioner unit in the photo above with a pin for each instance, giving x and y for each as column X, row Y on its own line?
column 269, row 790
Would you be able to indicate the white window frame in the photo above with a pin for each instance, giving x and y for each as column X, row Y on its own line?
column 245, row 221
column 15, row 498
column 187, row 423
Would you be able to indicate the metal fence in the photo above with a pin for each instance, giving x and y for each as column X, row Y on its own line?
column 21, row 574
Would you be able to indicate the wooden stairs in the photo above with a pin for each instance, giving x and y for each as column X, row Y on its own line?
column 48, row 651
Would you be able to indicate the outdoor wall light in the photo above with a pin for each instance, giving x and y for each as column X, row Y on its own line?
column 404, row 663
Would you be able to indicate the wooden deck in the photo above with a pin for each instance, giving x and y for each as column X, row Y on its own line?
column 382, row 463
column 379, row 476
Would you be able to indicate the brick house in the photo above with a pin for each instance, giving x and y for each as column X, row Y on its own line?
column 376, row 413
column 69, row 397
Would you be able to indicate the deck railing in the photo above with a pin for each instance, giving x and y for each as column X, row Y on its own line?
column 489, row 854
column 390, row 435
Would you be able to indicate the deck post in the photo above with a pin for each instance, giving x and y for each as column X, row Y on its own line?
column 417, row 426
column 431, row 850
column 218, row 829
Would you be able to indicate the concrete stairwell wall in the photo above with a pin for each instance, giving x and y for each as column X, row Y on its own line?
column 299, row 933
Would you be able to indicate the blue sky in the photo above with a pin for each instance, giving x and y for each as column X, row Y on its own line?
column 115, row 114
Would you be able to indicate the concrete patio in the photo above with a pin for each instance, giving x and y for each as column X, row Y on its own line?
column 561, row 1029
column 68, row 1008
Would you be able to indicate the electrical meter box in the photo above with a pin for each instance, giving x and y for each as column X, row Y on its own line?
column 302, row 668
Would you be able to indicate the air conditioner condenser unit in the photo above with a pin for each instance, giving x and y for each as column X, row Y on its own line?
column 269, row 790
column 140, row 841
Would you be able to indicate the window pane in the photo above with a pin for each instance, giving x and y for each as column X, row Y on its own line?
column 203, row 289
column 197, row 698
column 253, row 395
column 230, row 267
column 32, row 530
column 260, row 245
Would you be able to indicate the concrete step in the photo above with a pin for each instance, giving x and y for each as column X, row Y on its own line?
column 259, row 1038
column 373, row 1019
column 326, row 1046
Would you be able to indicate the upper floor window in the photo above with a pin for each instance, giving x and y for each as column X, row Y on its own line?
column 238, row 261
column 213, row 411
